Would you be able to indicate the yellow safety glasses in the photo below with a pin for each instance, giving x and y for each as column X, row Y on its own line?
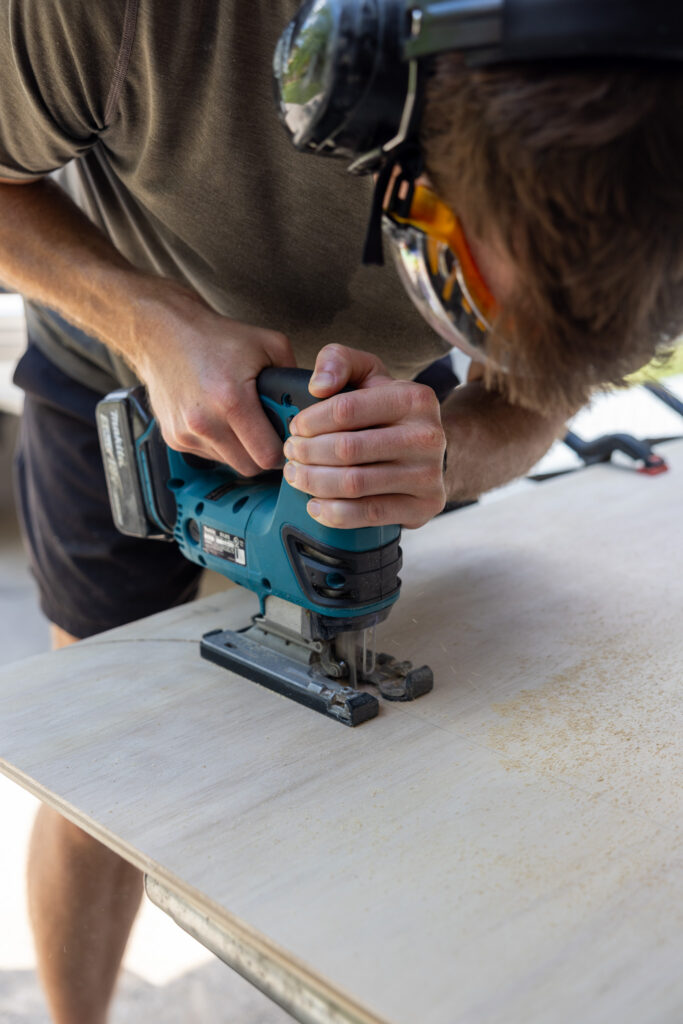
column 438, row 270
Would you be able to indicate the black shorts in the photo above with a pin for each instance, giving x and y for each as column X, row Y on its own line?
column 90, row 576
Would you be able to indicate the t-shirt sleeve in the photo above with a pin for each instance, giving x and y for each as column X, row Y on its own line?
column 57, row 64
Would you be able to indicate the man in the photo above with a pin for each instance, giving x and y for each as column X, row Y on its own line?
column 184, row 244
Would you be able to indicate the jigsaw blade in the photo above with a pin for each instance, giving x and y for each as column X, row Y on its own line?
column 289, row 650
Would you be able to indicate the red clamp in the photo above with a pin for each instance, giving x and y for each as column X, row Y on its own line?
column 654, row 465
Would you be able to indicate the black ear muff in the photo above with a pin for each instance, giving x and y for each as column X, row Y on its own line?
column 346, row 71
column 341, row 81
column 500, row 31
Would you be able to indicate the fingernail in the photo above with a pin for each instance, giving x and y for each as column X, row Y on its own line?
column 290, row 472
column 288, row 450
column 293, row 427
column 323, row 379
column 313, row 508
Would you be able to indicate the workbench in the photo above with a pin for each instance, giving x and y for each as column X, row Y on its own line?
column 505, row 849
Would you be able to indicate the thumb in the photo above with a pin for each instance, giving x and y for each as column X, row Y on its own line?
column 338, row 365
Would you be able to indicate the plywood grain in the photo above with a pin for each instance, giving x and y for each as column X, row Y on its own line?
column 507, row 849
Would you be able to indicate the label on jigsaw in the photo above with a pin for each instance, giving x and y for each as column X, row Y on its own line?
column 224, row 545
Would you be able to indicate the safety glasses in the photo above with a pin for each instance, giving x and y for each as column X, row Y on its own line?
column 438, row 270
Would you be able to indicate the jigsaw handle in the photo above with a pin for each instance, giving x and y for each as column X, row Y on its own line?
column 286, row 385
column 284, row 392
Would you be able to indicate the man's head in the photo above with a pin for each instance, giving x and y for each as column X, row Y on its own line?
column 569, row 181
column 566, row 175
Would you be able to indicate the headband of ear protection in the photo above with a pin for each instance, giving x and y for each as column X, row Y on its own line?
column 347, row 71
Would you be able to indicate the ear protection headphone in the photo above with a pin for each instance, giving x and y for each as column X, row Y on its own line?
column 348, row 83
column 348, row 72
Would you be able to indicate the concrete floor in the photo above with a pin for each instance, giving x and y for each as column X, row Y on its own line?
column 168, row 978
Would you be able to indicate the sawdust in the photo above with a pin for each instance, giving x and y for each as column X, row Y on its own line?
column 609, row 723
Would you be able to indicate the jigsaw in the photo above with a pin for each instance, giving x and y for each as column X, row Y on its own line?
column 321, row 591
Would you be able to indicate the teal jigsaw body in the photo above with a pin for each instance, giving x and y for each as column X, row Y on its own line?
column 255, row 531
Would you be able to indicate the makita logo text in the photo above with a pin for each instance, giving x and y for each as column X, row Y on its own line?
column 119, row 447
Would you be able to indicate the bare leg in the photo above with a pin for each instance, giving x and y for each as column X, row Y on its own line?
column 83, row 899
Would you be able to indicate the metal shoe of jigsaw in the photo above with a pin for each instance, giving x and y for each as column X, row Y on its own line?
column 321, row 591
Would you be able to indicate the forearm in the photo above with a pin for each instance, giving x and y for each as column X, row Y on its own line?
column 490, row 442
column 200, row 368
column 51, row 253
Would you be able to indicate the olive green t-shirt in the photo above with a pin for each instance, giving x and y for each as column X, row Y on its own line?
column 158, row 116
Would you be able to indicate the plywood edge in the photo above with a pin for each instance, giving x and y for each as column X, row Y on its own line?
column 281, row 976
column 284, row 980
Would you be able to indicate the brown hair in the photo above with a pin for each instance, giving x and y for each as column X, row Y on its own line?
column 579, row 174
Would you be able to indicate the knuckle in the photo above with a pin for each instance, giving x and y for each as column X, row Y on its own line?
column 423, row 508
column 347, row 448
column 353, row 482
column 174, row 439
column 334, row 349
column 268, row 458
column 331, row 514
column 436, row 505
column 241, row 464
column 422, row 399
column 303, row 478
column 419, row 513
column 429, row 437
column 219, row 399
column 280, row 342
column 428, row 482
column 374, row 512
column 343, row 410
column 197, row 424
column 183, row 441
column 171, row 431
column 229, row 398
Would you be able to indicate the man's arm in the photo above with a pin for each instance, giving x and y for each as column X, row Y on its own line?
column 200, row 368
column 491, row 442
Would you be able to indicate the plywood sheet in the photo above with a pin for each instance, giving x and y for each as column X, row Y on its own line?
column 507, row 849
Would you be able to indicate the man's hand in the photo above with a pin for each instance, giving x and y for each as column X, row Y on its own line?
column 368, row 457
column 200, row 370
